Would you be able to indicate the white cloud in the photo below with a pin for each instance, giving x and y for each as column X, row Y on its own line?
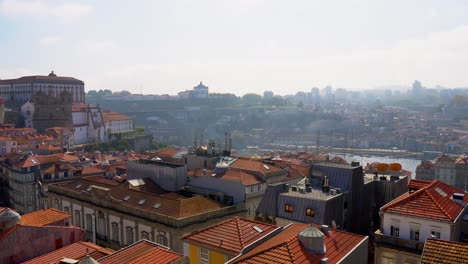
column 50, row 41
column 63, row 12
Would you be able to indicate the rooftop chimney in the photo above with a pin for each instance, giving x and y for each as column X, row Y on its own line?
column 325, row 229
column 459, row 198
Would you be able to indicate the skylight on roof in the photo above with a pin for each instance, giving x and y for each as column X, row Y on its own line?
column 440, row 191
column 258, row 229
column 78, row 186
column 156, row 206
column 89, row 189
column 141, row 201
column 266, row 167
column 127, row 197
column 34, row 161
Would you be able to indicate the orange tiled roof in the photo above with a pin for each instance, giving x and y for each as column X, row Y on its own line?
column 416, row 184
column 141, row 252
column 44, row 217
column 433, row 201
column 440, row 251
column 167, row 152
column 285, row 247
column 107, row 117
column 243, row 177
column 75, row 251
column 91, row 170
column 255, row 166
column 230, row 236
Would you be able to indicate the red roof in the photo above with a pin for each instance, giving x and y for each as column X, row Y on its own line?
column 433, row 201
column 74, row 251
column 243, row 177
column 440, row 251
column 44, row 217
column 285, row 247
column 114, row 116
column 254, row 166
column 415, row 184
column 230, row 236
column 91, row 170
column 142, row 252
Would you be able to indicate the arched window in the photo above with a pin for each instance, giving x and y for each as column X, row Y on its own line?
column 129, row 235
column 77, row 218
column 145, row 235
column 66, row 209
column 115, row 231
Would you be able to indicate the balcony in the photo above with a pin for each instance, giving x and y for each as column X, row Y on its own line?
column 397, row 242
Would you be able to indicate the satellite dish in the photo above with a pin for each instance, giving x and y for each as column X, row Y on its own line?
column 382, row 167
column 395, row 167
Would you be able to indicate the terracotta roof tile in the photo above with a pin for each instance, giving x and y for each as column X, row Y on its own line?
column 91, row 170
column 113, row 116
column 415, row 184
column 433, row 201
column 285, row 247
column 243, row 177
column 230, row 236
column 75, row 251
column 44, row 217
column 141, row 252
column 440, row 251
column 254, row 166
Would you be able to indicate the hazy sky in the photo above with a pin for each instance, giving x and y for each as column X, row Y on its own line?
column 236, row 46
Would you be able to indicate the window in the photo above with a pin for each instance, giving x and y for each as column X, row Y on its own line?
column 288, row 208
column 204, row 256
column 310, row 212
column 66, row 209
column 115, row 231
column 145, row 235
column 162, row 239
column 129, row 235
column 435, row 232
column 65, row 174
column 89, row 222
column 77, row 218
column 414, row 232
column 395, row 231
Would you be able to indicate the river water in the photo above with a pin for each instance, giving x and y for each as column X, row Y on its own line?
column 407, row 164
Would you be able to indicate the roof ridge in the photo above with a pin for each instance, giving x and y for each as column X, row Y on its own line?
column 239, row 231
column 210, row 227
column 291, row 255
column 411, row 195
column 438, row 205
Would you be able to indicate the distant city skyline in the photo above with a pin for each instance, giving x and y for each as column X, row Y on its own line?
column 159, row 47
